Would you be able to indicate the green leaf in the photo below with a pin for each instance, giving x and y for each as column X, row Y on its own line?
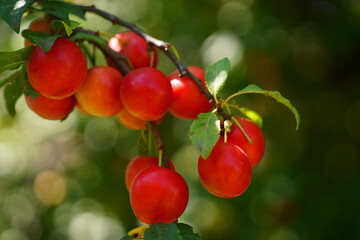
column 45, row 43
column 125, row 237
column 10, row 78
column 252, row 88
column 252, row 115
column 60, row 13
column 162, row 231
column 44, row 40
column 12, row 92
column 11, row 11
column 28, row 89
column 58, row 24
column 186, row 232
column 216, row 75
column 13, row 60
column 204, row 132
column 65, row 6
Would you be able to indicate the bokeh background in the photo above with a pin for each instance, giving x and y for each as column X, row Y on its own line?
column 65, row 180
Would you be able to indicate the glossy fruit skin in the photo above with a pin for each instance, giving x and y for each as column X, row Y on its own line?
column 158, row 194
column 58, row 73
column 52, row 109
column 226, row 172
column 254, row 150
column 100, row 94
column 78, row 107
column 39, row 25
column 187, row 100
column 132, row 122
column 138, row 164
column 135, row 48
column 129, row 120
column 146, row 93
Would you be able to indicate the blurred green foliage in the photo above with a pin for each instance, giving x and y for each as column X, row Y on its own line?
column 307, row 185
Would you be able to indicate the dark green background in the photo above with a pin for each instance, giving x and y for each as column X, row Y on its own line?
column 307, row 185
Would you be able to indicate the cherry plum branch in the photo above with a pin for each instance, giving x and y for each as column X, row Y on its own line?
column 121, row 62
column 165, row 47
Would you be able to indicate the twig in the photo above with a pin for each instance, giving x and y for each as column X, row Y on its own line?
column 119, row 59
column 165, row 47
column 121, row 62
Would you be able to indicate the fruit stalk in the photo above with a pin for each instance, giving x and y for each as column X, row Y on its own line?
column 159, row 144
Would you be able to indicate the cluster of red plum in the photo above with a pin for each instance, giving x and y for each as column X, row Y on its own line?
column 157, row 194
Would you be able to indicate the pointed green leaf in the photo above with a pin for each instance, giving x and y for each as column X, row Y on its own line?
column 186, row 232
column 28, row 89
column 12, row 92
column 11, row 77
column 216, row 75
column 252, row 115
column 65, row 6
column 44, row 40
column 45, row 43
column 13, row 60
column 60, row 13
column 58, row 24
column 11, row 11
column 162, row 231
column 204, row 133
column 252, row 88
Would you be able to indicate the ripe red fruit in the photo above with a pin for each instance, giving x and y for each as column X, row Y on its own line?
column 226, row 172
column 158, row 194
column 135, row 48
column 255, row 149
column 77, row 105
column 52, row 109
column 129, row 120
column 39, row 25
column 99, row 95
column 187, row 100
column 58, row 73
column 146, row 93
column 138, row 164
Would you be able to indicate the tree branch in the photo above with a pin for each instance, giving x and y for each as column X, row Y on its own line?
column 121, row 63
column 165, row 47
column 121, row 60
